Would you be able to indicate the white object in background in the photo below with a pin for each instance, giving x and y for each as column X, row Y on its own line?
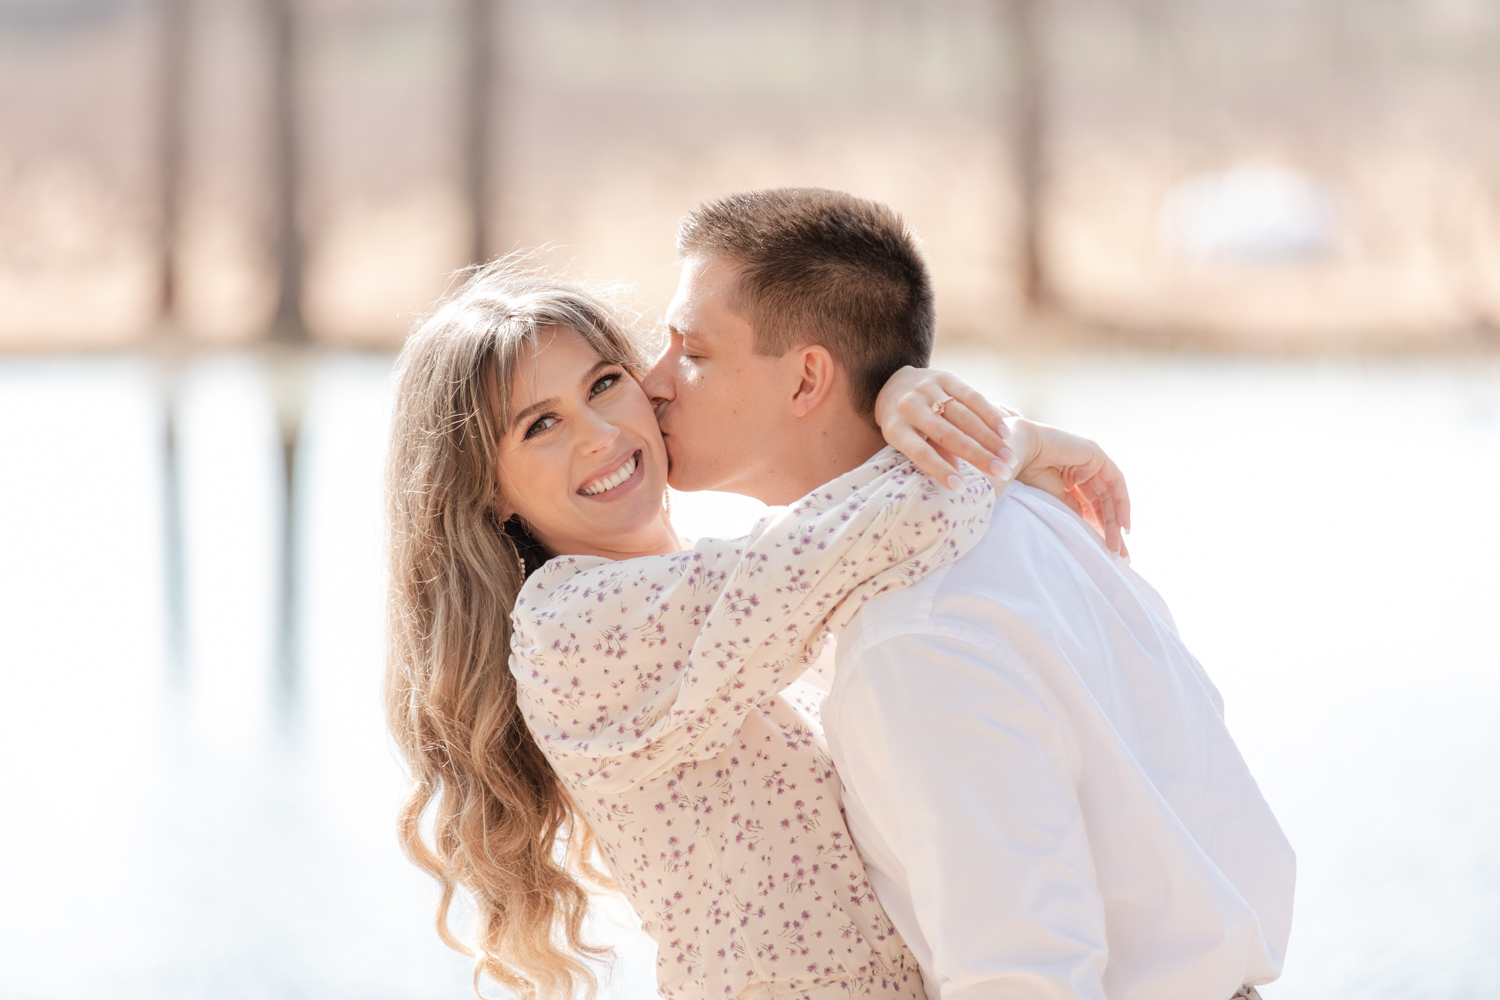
column 1250, row 214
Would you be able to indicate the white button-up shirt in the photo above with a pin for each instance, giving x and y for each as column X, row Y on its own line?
column 1039, row 778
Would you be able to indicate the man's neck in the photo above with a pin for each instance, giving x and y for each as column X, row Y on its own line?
column 821, row 454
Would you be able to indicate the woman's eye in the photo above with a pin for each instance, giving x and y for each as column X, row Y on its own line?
column 604, row 383
column 542, row 424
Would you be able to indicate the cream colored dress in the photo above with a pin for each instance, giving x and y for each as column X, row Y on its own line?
column 656, row 688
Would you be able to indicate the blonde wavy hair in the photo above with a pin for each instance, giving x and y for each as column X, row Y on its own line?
column 503, row 826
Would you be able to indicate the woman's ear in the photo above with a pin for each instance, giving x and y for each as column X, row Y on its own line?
column 500, row 505
column 817, row 371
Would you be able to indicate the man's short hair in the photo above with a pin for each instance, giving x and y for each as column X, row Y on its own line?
column 822, row 267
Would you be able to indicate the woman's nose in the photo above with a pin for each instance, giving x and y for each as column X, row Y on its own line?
column 599, row 434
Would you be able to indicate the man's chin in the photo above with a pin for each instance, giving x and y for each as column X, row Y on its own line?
column 687, row 476
column 675, row 470
column 679, row 479
column 679, row 484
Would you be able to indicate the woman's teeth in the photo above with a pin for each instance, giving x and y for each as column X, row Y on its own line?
column 609, row 482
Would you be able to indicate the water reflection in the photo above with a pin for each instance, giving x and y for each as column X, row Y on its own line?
column 183, row 822
column 189, row 831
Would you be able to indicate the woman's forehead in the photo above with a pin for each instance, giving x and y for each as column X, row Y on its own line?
column 556, row 361
column 556, row 351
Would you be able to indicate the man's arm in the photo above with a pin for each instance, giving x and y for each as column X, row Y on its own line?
column 957, row 762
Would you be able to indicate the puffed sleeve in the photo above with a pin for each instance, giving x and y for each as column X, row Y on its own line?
column 625, row 669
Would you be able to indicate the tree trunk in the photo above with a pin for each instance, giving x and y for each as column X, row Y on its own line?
column 287, row 326
column 174, row 32
column 479, row 34
column 1028, row 145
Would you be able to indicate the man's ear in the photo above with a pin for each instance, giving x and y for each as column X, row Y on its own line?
column 817, row 372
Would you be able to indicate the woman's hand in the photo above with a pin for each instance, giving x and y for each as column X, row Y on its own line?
column 968, row 426
column 997, row 440
column 1077, row 472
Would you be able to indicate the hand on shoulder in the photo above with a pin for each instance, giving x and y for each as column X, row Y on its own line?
column 935, row 419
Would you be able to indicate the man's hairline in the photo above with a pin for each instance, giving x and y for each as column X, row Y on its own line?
column 734, row 302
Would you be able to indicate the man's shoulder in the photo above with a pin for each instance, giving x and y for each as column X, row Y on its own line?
column 1033, row 545
column 922, row 608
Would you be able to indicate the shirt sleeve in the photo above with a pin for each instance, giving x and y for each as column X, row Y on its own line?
column 625, row 669
column 960, row 785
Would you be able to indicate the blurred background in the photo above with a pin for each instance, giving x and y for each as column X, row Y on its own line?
column 1251, row 246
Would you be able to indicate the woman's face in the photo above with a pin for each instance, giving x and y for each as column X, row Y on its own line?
column 581, row 458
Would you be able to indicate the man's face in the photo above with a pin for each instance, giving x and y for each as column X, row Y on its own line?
column 721, row 406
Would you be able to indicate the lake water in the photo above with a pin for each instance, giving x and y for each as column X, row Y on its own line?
column 185, row 817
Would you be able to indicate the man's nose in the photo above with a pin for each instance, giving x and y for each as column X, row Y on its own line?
column 658, row 383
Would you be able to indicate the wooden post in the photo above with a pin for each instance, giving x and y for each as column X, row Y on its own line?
column 478, row 28
column 1028, row 145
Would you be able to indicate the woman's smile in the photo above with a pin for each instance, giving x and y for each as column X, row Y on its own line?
column 622, row 479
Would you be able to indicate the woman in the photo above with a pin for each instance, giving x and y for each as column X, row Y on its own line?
column 645, row 700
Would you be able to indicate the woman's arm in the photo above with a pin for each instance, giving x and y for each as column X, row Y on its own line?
column 625, row 669
column 999, row 441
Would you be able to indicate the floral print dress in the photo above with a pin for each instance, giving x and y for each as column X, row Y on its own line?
column 657, row 688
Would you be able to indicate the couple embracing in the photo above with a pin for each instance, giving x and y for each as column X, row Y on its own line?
column 1013, row 780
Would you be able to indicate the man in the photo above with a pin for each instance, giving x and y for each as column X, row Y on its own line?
column 1035, row 770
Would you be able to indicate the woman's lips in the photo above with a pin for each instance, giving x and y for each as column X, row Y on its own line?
column 620, row 481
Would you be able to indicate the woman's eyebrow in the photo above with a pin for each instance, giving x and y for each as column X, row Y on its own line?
column 588, row 376
column 551, row 401
column 545, row 404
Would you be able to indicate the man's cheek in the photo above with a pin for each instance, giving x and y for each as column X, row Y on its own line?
column 668, row 445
